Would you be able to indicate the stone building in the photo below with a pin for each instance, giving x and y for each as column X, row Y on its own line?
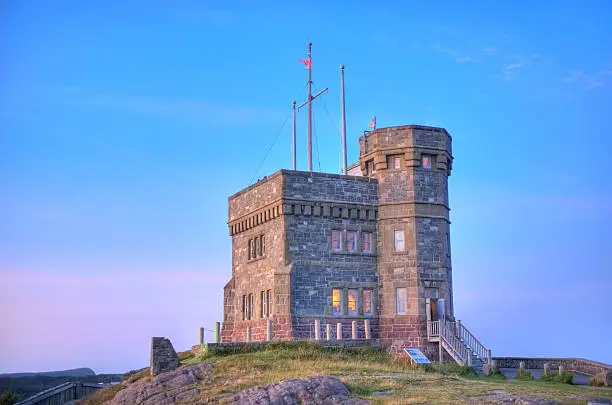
column 373, row 244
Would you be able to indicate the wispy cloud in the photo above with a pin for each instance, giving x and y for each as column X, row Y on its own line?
column 509, row 69
column 458, row 56
column 587, row 81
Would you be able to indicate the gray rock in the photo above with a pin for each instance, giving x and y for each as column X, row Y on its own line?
column 325, row 390
column 165, row 389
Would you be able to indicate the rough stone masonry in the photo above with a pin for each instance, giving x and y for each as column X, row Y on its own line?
column 373, row 245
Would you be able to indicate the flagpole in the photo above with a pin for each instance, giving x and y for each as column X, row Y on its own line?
column 310, row 107
column 344, row 170
column 293, row 144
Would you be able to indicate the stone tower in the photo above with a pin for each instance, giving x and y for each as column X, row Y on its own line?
column 412, row 164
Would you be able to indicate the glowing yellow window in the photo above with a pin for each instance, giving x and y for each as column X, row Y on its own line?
column 352, row 302
column 337, row 302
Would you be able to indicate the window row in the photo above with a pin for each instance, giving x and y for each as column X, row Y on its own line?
column 265, row 305
column 346, row 241
column 346, row 302
column 395, row 162
column 257, row 247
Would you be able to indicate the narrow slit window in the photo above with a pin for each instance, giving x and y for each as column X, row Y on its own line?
column 263, row 245
column 244, row 314
column 351, row 241
column 262, row 304
column 352, row 302
column 255, row 247
column 250, row 307
column 269, row 302
column 398, row 240
column 397, row 162
column 249, row 249
column 336, row 240
column 367, row 302
column 401, row 299
column 337, row 302
column 427, row 161
column 366, row 242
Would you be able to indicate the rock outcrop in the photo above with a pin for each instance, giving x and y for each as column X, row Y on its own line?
column 500, row 397
column 163, row 356
column 165, row 389
column 325, row 390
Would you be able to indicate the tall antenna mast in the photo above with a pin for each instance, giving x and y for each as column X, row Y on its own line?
column 344, row 170
column 293, row 144
column 308, row 64
column 310, row 108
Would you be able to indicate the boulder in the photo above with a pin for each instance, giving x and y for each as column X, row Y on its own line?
column 325, row 390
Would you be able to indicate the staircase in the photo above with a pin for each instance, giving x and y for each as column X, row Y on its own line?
column 459, row 343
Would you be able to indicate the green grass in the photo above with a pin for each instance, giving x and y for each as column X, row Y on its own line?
column 365, row 373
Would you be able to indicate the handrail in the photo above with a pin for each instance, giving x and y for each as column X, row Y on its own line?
column 473, row 343
column 433, row 328
column 460, row 352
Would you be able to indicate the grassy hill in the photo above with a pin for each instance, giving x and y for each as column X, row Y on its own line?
column 370, row 374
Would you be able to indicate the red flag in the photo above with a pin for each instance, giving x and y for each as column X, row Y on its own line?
column 307, row 63
column 372, row 123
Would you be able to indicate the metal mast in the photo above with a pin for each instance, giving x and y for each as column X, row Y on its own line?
column 310, row 107
column 308, row 63
column 344, row 169
column 293, row 146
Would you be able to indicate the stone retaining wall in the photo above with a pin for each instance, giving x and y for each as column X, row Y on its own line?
column 583, row 366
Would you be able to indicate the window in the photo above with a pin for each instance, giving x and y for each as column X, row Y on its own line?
column 257, row 247
column 427, row 160
column 336, row 240
column 448, row 244
column 352, row 302
column 431, row 292
column 250, row 307
column 244, row 307
column 370, row 168
column 367, row 302
column 366, row 242
column 337, row 302
column 268, row 302
column 262, row 304
column 397, row 162
column 351, row 241
column 401, row 298
column 398, row 240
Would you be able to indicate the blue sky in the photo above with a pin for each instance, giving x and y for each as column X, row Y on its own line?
column 124, row 127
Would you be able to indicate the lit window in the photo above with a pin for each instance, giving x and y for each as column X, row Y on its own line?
column 367, row 302
column 337, row 302
column 336, row 241
column 397, row 162
column 401, row 298
column 351, row 241
column 366, row 242
column 398, row 240
column 352, row 302
column 427, row 161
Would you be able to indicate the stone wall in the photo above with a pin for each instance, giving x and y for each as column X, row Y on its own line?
column 163, row 356
column 583, row 366
column 322, row 203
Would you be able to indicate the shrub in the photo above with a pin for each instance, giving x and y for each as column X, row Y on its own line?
column 496, row 375
column 524, row 375
column 8, row 398
column 596, row 381
column 451, row 369
column 566, row 378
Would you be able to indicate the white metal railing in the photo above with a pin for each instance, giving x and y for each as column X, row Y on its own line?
column 457, row 349
column 433, row 328
column 472, row 342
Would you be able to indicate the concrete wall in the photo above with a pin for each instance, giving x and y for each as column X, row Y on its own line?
column 583, row 366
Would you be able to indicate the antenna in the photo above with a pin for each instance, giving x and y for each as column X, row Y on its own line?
column 344, row 170
column 308, row 63
column 293, row 144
